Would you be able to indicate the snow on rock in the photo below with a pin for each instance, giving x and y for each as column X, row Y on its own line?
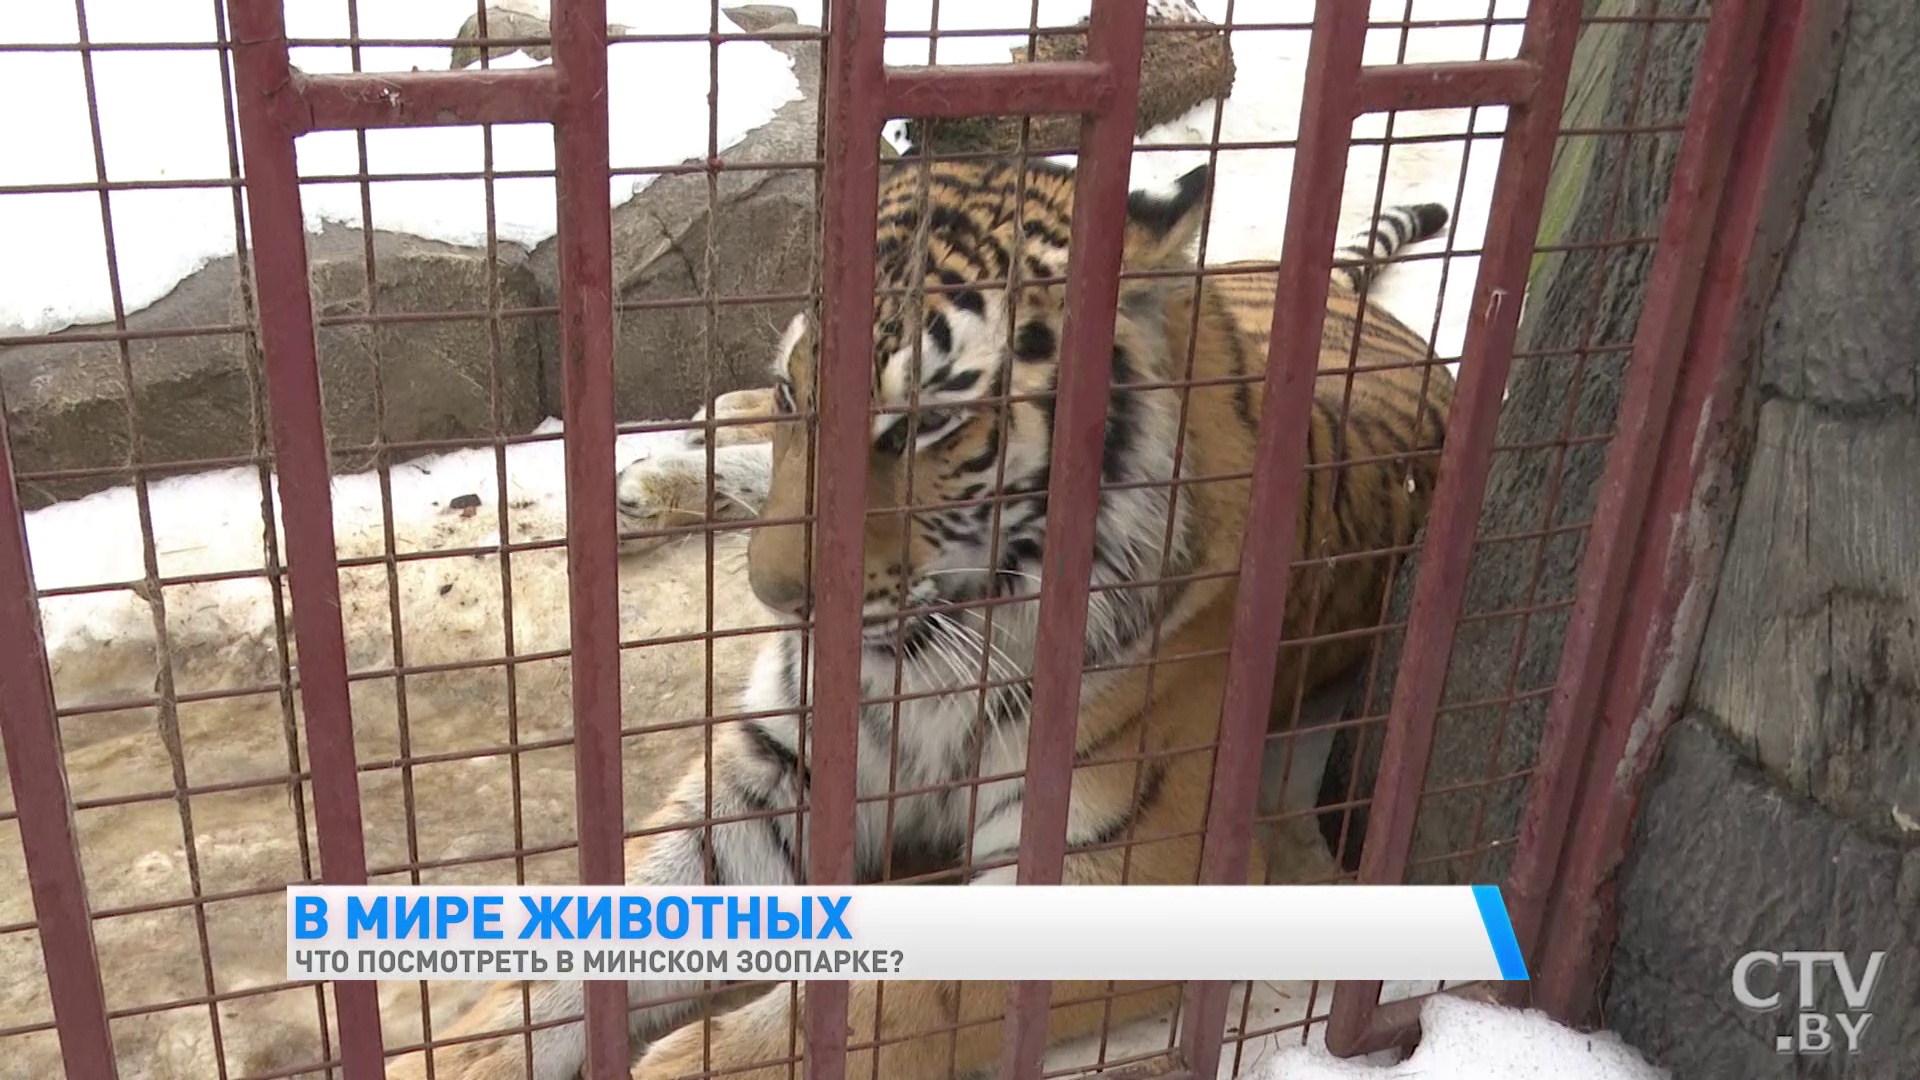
column 1470, row 1040
column 163, row 117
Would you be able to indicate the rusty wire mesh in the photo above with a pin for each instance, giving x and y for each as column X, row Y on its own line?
column 183, row 733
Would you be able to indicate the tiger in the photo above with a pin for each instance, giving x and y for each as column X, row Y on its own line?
column 967, row 324
column 658, row 496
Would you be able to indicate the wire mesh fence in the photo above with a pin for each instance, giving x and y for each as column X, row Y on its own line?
column 875, row 543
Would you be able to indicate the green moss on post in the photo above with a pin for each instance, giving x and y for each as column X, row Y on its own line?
column 1589, row 100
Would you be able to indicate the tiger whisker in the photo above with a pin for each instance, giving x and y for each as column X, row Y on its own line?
column 967, row 635
column 1001, row 735
column 956, row 637
column 1104, row 603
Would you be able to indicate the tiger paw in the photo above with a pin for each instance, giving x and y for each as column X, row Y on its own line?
column 670, row 491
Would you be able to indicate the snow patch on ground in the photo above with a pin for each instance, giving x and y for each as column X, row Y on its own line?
column 1470, row 1040
column 102, row 645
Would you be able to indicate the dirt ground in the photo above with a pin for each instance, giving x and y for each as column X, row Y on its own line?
column 248, row 840
column 253, row 832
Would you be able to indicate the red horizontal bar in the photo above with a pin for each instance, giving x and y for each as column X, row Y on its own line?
column 425, row 99
column 1445, row 86
column 947, row 91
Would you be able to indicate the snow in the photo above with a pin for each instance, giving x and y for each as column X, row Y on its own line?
column 659, row 117
column 1469, row 1040
column 101, row 645
column 163, row 118
column 211, row 523
column 1461, row 1039
column 1251, row 186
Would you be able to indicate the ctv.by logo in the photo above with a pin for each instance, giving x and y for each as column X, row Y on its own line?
column 1813, row 1029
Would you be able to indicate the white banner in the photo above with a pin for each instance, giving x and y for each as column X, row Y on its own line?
column 1125, row 932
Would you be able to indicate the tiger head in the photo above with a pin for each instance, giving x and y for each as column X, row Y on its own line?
column 964, row 373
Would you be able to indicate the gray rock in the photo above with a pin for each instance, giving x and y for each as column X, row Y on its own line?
column 67, row 401
column 677, row 243
column 1808, row 669
column 1812, row 654
column 1783, row 814
column 1844, row 330
column 194, row 399
column 507, row 23
column 757, row 18
column 502, row 23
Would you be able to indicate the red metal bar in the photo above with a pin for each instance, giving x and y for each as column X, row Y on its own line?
column 1116, row 38
column 426, row 98
column 1461, row 85
column 1680, row 538
column 1293, row 360
column 306, row 496
column 854, row 98
column 1046, row 86
column 31, row 735
column 1720, row 90
column 586, row 371
column 1101, row 185
column 1520, row 190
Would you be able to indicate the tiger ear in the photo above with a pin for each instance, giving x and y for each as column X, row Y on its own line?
column 1161, row 227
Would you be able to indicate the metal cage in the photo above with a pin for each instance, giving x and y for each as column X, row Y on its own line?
column 1627, row 623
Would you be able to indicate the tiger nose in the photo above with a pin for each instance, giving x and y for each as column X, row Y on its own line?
column 787, row 593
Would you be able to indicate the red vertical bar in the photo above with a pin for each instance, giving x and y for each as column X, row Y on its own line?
column 1677, row 552
column 586, row 384
column 302, row 466
column 30, row 729
column 1293, row 361
column 851, row 181
column 1526, row 161
column 301, row 463
column 1726, row 74
column 1116, row 36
